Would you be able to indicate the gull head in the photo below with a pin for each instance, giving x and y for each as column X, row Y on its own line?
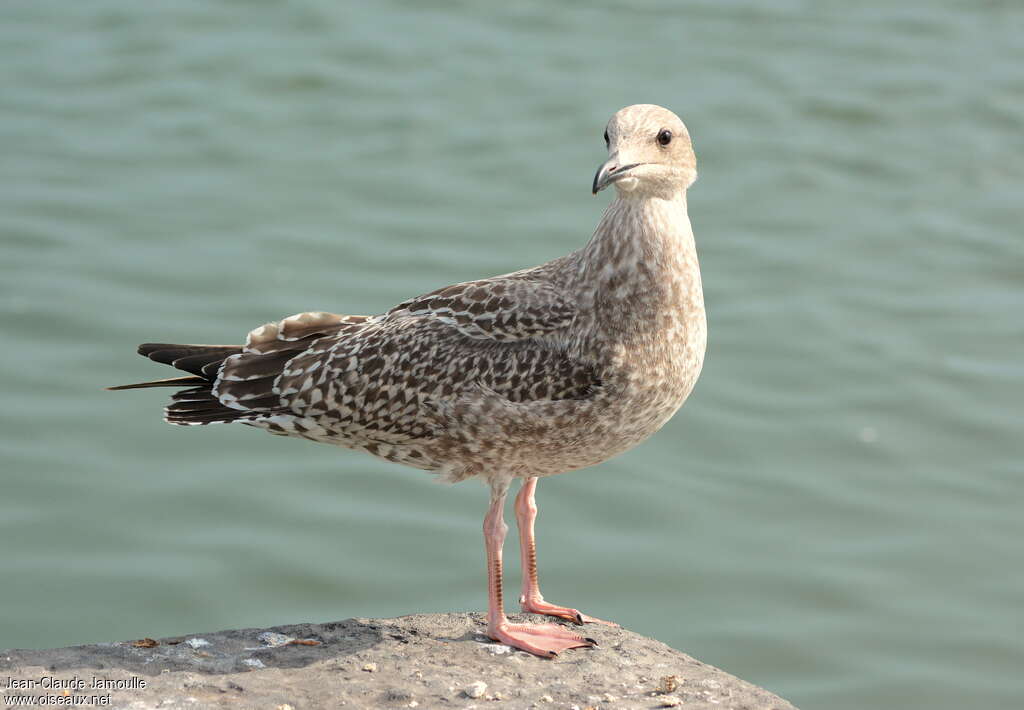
column 649, row 153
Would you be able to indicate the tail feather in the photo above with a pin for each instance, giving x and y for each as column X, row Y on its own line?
column 196, row 394
column 181, row 409
column 221, row 416
column 197, row 404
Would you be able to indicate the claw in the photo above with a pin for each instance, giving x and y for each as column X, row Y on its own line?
column 539, row 606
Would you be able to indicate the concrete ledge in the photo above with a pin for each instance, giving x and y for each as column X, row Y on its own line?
column 421, row 661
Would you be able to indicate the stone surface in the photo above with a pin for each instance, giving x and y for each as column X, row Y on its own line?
column 420, row 661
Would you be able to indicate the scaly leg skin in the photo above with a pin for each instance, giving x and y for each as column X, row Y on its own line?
column 547, row 640
column 531, row 599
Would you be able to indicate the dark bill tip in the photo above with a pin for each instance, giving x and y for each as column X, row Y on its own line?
column 608, row 173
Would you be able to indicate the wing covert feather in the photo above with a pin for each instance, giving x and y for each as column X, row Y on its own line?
column 503, row 308
column 389, row 380
column 384, row 378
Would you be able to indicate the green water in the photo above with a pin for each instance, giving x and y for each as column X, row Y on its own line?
column 835, row 514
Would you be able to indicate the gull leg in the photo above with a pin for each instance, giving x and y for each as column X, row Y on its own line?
column 531, row 599
column 541, row 639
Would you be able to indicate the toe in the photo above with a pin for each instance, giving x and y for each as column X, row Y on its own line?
column 545, row 640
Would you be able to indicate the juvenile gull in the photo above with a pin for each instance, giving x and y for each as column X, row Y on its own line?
column 524, row 375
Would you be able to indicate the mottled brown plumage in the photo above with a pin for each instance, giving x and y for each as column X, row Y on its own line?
column 527, row 374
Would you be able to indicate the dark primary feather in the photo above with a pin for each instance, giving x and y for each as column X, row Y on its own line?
column 169, row 382
column 196, row 405
column 190, row 358
column 369, row 379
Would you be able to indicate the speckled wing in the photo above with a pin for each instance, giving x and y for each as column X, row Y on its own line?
column 502, row 308
column 249, row 380
column 353, row 380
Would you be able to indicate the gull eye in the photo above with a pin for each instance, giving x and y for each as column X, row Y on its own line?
column 606, row 138
column 665, row 137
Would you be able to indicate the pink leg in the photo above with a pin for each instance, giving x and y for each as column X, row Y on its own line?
column 540, row 639
column 531, row 599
